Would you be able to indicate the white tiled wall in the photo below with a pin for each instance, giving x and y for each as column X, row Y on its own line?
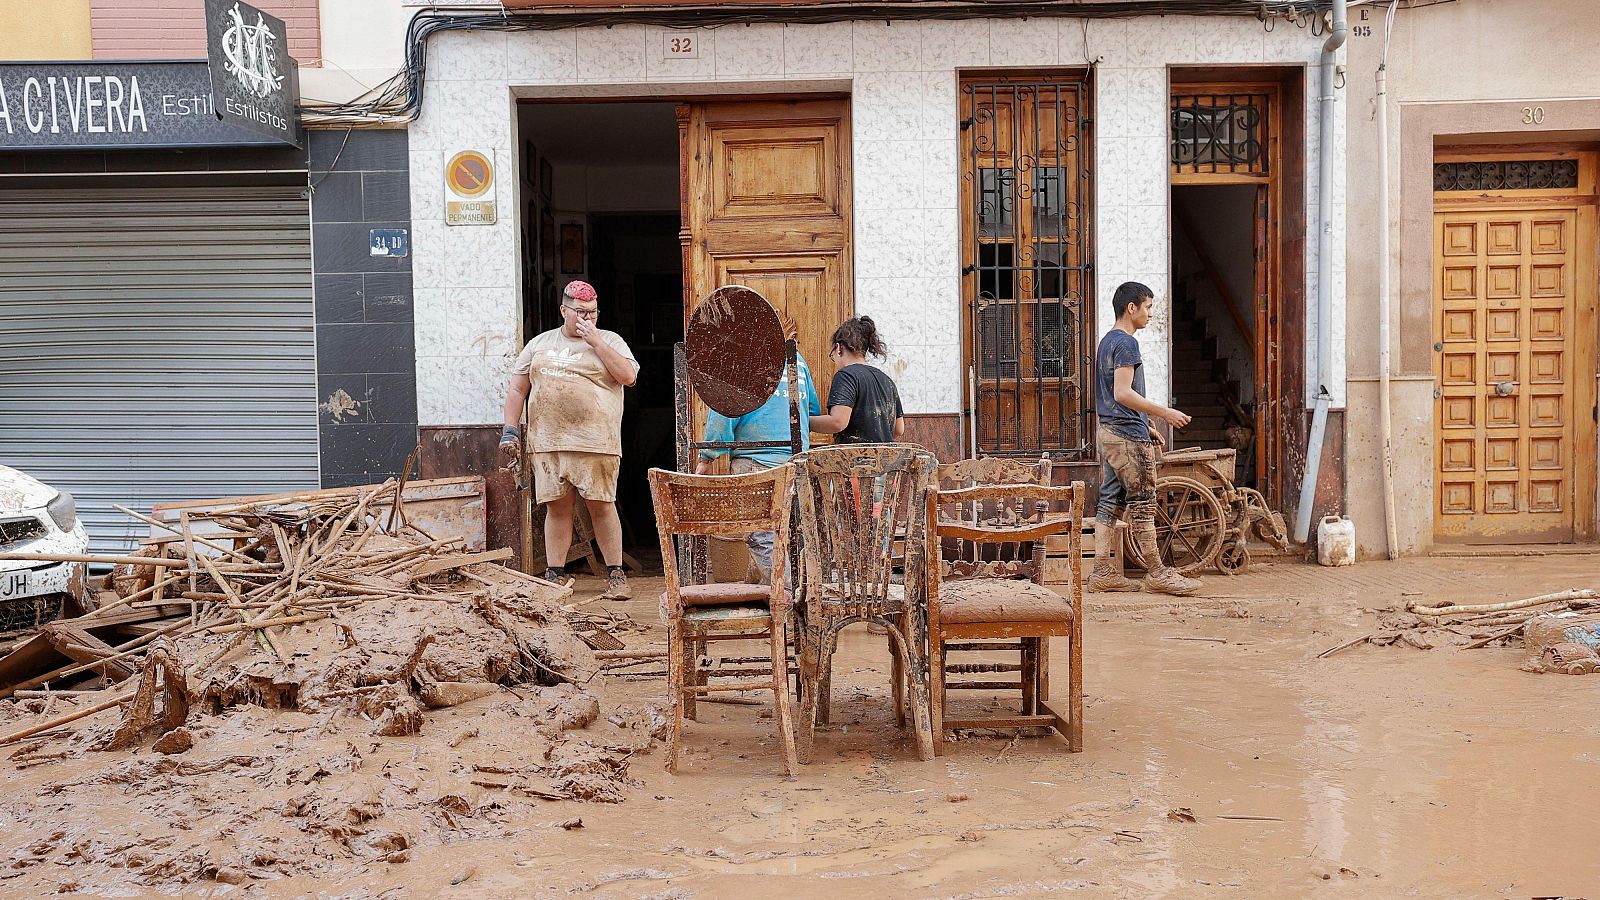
column 905, row 120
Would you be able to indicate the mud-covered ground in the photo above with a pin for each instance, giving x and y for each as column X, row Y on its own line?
column 1380, row 771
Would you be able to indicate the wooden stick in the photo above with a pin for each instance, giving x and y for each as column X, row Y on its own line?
column 1478, row 645
column 92, row 558
column 1541, row 600
column 181, row 533
column 1346, row 645
column 69, row 718
column 44, row 695
column 268, row 623
column 92, row 615
column 235, row 604
column 630, row 654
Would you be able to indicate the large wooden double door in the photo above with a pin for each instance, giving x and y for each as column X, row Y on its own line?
column 1514, row 370
column 766, row 195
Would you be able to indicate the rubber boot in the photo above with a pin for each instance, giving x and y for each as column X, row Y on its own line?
column 1162, row 578
column 1105, row 577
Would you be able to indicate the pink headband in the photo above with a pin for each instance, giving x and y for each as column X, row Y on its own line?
column 580, row 290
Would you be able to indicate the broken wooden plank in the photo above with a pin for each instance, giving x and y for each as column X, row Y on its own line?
column 446, row 563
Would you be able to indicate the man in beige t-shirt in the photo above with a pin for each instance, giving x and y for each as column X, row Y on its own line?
column 570, row 380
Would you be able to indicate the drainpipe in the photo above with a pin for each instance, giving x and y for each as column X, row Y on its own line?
column 1386, row 425
column 1319, row 415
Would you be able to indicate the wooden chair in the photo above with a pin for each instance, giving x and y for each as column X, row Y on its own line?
column 991, row 596
column 696, row 507
column 855, row 502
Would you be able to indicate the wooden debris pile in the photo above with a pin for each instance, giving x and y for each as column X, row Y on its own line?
column 247, row 596
column 1468, row 626
column 278, row 647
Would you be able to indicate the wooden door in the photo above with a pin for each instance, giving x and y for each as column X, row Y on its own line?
column 1508, row 293
column 766, row 196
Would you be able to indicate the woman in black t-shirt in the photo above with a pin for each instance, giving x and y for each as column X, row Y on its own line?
column 863, row 402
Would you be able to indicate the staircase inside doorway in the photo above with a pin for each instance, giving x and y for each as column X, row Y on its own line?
column 1213, row 310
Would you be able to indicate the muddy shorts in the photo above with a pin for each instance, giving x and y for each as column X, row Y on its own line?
column 1128, row 474
column 593, row 474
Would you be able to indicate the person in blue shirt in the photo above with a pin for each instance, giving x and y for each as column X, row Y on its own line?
column 1129, row 449
column 770, row 422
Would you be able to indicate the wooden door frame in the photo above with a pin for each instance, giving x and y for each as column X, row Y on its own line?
column 1585, row 201
column 1272, row 412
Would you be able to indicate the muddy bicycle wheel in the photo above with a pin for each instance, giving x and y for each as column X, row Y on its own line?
column 1189, row 525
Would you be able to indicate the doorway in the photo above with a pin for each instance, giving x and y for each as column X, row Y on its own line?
column 600, row 189
column 1218, row 250
column 658, row 203
column 1237, row 194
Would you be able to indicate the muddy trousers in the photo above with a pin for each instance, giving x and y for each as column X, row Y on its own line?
column 1128, row 483
column 759, row 542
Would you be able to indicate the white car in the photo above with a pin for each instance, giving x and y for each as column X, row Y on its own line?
column 37, row 518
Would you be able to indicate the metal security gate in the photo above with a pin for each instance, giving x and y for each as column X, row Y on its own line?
column 156, row 344
column 1026, row 277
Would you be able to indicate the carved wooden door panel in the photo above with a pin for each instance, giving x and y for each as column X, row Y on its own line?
column 766, row 191
column 1505, row 417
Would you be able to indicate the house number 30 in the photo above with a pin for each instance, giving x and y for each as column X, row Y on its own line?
column 1533, row 115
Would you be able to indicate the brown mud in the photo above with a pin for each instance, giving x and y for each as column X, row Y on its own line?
column 1381, row 771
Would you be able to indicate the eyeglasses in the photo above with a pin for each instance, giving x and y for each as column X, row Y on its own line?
column 590, row 314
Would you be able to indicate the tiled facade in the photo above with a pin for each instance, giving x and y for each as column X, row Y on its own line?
column 902, row 78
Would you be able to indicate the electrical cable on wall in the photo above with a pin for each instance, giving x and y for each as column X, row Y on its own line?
column 399, row 99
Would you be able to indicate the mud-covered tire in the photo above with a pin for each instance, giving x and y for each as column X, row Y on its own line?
column 1190, row 526
column 1234, row 559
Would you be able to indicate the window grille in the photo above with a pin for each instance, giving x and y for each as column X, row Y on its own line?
column 1026, row 274
column 1506, row 175
column 1219, row 133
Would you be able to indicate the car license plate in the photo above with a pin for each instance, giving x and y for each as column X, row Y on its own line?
column 13, row 584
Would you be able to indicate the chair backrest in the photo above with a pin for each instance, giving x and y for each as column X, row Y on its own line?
column 1016, row 518
column 1014, row 559
column 855, row 501
column 698, row 506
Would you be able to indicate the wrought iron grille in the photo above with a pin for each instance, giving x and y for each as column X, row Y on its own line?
column 1219, row 133
column 1026, row 270
column 1506, row 175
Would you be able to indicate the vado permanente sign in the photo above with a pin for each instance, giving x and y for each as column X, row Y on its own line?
column 254, row 81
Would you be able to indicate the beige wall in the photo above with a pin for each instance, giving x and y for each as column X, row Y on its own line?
column 362, row 45
column 1472, row 51
column 53, row 30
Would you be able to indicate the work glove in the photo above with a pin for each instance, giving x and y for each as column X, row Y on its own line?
column 510, row 447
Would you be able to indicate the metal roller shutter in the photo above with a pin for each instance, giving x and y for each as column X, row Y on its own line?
column 157, row 344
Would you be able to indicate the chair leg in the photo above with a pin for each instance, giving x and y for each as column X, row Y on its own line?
column 897, row 683
column 824, row 680
column 1043, row 680
column 691, row 661
column 921, row 720
column 1075, row 692
column 675, row 672
column 936, row 692
column 810, row 652
column 1030, row 685
column 780, row 698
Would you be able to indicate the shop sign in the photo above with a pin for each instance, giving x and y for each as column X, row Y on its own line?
column 253, row 78
column 105, row 105
column 469, row 188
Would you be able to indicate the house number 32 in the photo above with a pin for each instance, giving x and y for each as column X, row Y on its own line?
column 683, row 47
column 1533, row 115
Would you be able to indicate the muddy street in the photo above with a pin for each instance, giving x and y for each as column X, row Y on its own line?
column 1381, row 771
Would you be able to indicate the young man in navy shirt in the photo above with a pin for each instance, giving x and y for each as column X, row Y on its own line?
column 1128, row 449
